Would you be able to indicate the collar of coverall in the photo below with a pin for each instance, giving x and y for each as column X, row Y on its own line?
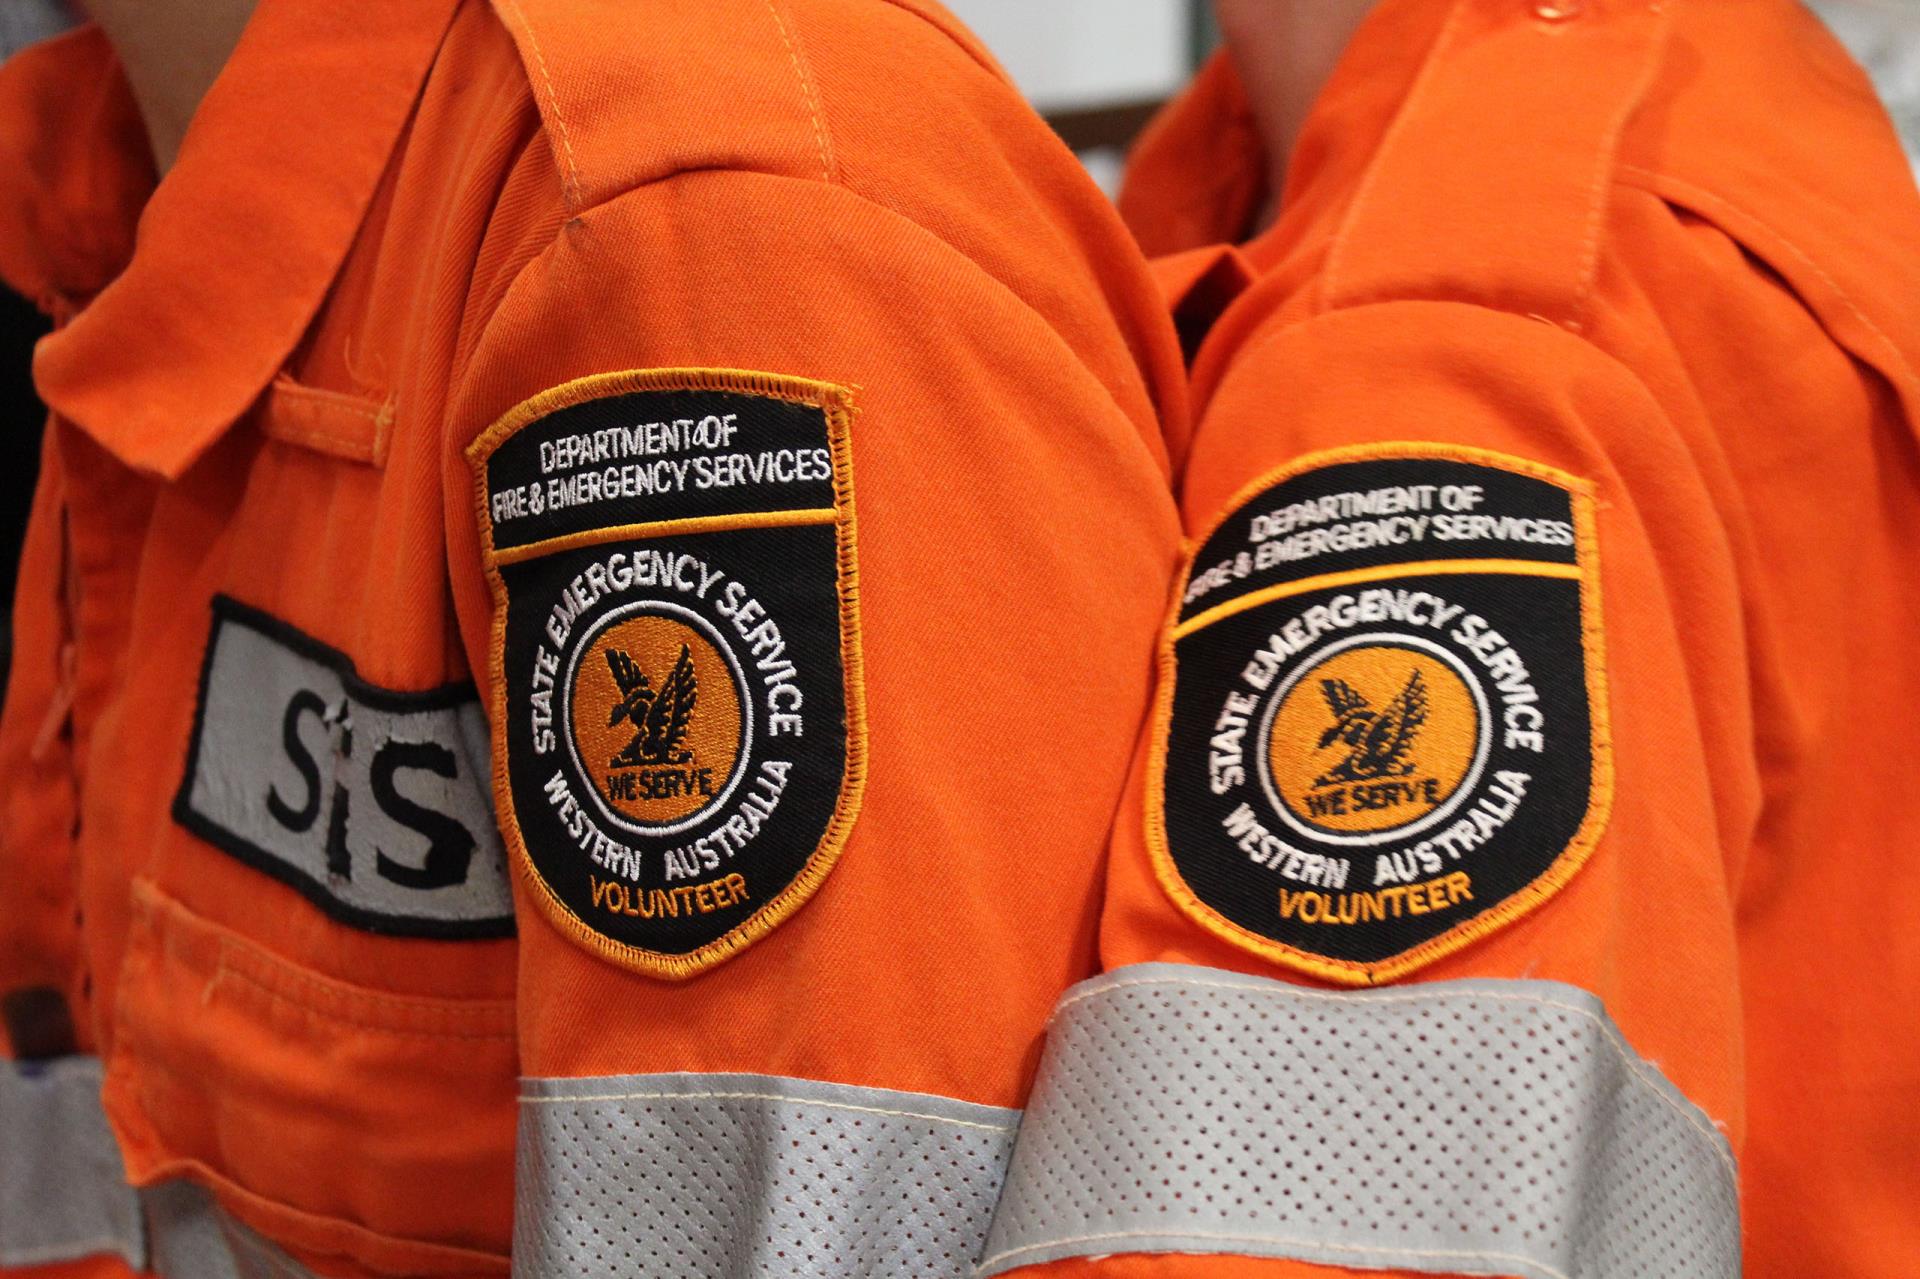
column 1821, row 201
column 186, row 297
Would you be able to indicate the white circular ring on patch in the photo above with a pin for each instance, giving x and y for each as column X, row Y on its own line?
column 741, row 688
column 1482, row 748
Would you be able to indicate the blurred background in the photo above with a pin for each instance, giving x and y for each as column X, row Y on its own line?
column 1095, row 68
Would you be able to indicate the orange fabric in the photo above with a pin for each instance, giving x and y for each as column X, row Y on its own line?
column 384, row 231
column 1670, row 249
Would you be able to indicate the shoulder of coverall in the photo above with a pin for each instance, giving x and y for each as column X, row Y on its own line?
column 891, row 102
column 1473, row 151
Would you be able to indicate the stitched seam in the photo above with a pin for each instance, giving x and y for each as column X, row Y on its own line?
column 807, row 93
column 1805, row 259
column 1224, row 1237
column 347, row 435
column 531, row 1100
column 232, row 951
column 572, row 180
column 798, row 517
column 836, row 404
column 169, row 922
column 1628, row 1058
column 328, row 1015
column 1571, row 858
column 283, row 387
column 344, row 443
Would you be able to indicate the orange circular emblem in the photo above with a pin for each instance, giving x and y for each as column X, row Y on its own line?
column 1379, row 737
column 657, row 717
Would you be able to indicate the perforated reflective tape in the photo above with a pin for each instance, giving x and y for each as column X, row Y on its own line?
column 704, row 1176
column 1466, row 1127
column 63, row 1193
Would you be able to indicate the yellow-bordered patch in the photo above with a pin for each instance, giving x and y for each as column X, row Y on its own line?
column 1381, row 725
column 679, row 735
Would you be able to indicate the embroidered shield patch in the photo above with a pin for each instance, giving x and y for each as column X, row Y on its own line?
column 1381, row 731
column 677, row 717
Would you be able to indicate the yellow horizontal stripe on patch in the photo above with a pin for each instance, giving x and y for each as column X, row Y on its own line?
column 664, row 528
column 1379, row 573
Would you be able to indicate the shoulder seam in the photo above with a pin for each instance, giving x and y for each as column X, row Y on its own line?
column 993, row 281
column 809, row 91
column 550, row 104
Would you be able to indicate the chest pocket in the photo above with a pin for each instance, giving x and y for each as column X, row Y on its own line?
column 313, row 1016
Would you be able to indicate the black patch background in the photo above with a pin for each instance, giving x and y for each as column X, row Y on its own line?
column 793, row 570
column 1506, row 494
column 765, row 423
column 1539, row 616
column 805, row 604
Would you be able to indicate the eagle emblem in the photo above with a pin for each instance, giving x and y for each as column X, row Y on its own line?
column 659, row 716
column 1378, row 741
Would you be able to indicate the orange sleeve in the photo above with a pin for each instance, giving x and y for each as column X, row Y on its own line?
column 812, row 704
column 1418, row 942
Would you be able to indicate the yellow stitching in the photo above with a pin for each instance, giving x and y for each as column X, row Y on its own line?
column 1378, row 573
column 662, row 528
column 284, row 386
column 383, row 433
column 347, row 443
column 807, row 93
column 1600, row 798
column 1614, row 1038
column 836, row 404
column 1226, row 1237
column 1708, row 198
column 572, row 182
column 527, row 1099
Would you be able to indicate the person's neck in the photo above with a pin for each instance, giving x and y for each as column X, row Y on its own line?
column 1284, row 51
column 171, row 50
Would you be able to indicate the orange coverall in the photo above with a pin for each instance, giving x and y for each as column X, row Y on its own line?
column 1570, row 395
column 247, row 826
column 1549, row 784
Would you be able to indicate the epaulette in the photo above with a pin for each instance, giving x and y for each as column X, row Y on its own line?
column 1491, row 185
column 631, row 93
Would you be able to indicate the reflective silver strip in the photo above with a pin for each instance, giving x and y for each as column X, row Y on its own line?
column 194, row 1239
column 1465, row 1127
column 711, row 1176
column 63, row 1194
column 25, row 22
